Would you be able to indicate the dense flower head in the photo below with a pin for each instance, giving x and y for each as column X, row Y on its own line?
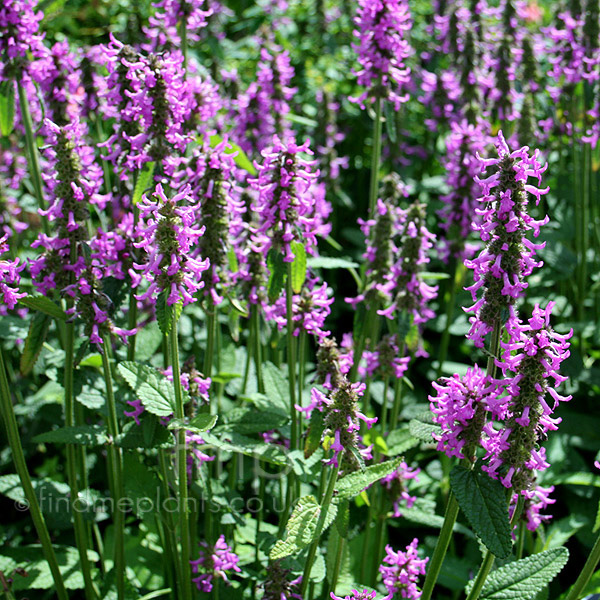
column 310, row 309
column 19, row 34
column 168, row 13
column 285, row 204
column 533, row 354
column 409, row 292
column 381, row 28
column 458, row 213
column 279, row 585
column 509, row 256
column 9, row 277
column 460, row 409
column 396, row 485
column 386, row 359
column 168, row 232
column 151, row 100
column 213, row 562
column 210, row 174
column 341, row 414
column 401, row 571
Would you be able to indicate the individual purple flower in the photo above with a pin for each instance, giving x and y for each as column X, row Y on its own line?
column 285, row 203
column 386, row 361
column 396, row 485
column 213, row 563
column 402, row 574
column 9, row 278
column 168, row 14
column 460, row 409
column 357, row 595
column 381, row 29
column 168, row 232
column 509, row 256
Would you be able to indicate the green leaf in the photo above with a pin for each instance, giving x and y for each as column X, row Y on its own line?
column 342, row 520
column 198, row 424
column 237, row 443
column 329, row 262
column 390, row 120
column 83, row 435
column 399, row 441
column 277, row 273
column 525, row 578
column 39, row 577
column 240, row 158
column 150, row 434
column 7, row 107
column 315, row 433
column 12, row 328
column 247, row 420
column 423, row 427
column 38, row 329
column 44, row 305
column 151, row 387
column 354, row 483
column 166, row 313
column 483, row 500
column 277, row 389
column 298, row 267
column 302, row 527
column 143, row 183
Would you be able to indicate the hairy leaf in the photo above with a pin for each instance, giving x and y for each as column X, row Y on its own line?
column 151, row 387
column 353, row 484
column 38, row 329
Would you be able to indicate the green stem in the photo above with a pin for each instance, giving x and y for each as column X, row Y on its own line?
column 319, row 530
column 116, row 468
column 301, row 369
column 14, row 441
column 586, row 573
column 484, row 570
column 291, row 357
column 376, row 158
column 337, row 567
column 211, row 327
column 361, row 343
column 34, row 162
column 397, row 397
column 186, row 584
column 435, row 564
column 255, row 316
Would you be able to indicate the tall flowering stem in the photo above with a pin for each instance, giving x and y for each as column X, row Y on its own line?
column 14, row 441
column 376, row 156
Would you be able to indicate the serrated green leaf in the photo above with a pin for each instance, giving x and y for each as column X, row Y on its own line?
column 302, row 527
column 315, row 433
column 167, row 314
column 7, row 107
column 149, row 434
column 330, row 262
column 153, row 389
column 483, row 500
column 399, row 441
column 277, row 389
column 38, row 329
column 198, row 424
column 354, row 483
column 44, row 305
column 423, row 427
column 597, row 521
column 247, row 420
column 240, row 158
column 524, row 579
column 82, row 435
column 277, row 274
column 298, row 267
column 230, row 441
column 143, row 183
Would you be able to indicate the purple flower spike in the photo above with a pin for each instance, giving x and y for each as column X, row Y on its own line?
column 213, row 562
column 381, row 27
column 509, row 256
column 402, row 574
column 364, row 595
column 168, row 233
column 9, row 278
